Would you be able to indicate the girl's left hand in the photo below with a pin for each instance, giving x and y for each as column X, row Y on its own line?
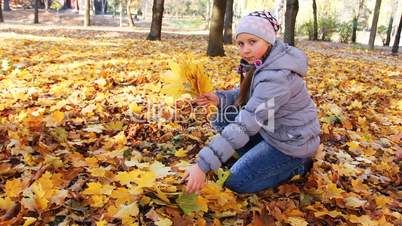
column 195, row 178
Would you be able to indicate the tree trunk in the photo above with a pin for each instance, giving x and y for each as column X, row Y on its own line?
column 87, row 20
column 315, row 23
column 97, row 7
column 121, row 13
column 156, row 24
column 215, row 39
column 145, row 13
column 1, row 13
column 354, row 28
column 391, row 22
column 279, row 13
column 46, row 3
column 129, row 15
column 228, row 34
column 389, row 30
column 104, row 7
column 397, row 38
column 374, row 24
column 6, row 5
column 36, row 13
column 209, row 14
column 67, row 4
column 355, row 21
column 77, row 5
column 292, row 7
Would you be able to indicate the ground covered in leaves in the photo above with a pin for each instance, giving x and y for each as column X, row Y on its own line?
column 86, row 137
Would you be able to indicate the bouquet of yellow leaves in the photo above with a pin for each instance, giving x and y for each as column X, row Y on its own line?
column 186, row 77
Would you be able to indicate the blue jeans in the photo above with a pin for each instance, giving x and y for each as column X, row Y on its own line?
column 260, row 165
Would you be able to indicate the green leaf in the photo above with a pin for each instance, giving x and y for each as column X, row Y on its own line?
column 306, row 199
column 188, row 203
column 114, row 126
column 60, row 134
column 222, row 176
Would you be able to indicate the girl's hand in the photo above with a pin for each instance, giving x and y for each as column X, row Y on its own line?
column 195, row 178
column 207, row 99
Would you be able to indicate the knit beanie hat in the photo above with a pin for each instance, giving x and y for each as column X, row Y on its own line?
column 261, row 24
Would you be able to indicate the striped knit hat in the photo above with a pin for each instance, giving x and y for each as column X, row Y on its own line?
column 261, row 24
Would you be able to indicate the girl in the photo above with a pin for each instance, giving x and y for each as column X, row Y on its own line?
column 276, row 131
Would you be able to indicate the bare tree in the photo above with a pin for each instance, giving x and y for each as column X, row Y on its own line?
column 77, row 6
column 46, row 2
column 315, row 23
column 391, row 22
column 129, row 15
column 87, row 20
column 36, row 12
column 227, row 34
column 292, row 7
column 6, row 5
column 395, row 47
column 1, row 13
column 356, row 16
column 373, row 30
column 215, row 39
column 156, row 25
column 121, row 12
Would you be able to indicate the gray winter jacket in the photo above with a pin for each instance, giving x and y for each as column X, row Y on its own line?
column 279, row 108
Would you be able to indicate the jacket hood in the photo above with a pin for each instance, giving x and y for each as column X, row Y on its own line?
column 283, row 56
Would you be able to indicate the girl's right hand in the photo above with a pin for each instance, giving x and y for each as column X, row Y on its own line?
column 207, row 99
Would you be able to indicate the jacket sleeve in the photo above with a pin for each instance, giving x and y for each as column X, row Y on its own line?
column 268, row 96
column 227, row 97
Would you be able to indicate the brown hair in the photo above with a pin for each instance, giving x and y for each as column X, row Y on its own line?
column 245, row 81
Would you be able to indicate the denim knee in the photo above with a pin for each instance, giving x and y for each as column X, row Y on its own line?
column 237, row 186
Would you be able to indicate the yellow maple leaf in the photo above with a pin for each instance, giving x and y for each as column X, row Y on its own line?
column 219, row 199
column 13, row 188
column 161, row 195
column 186, row 76
column 95, row 188
column 180, row 153
column 160, row 169
column 99, row 171
column 353, row 145
column 382, row 201
column 29, row 221
column 297, row 221
column 6, row 203
column 124, row 177
column 364, row 220
column 202, row 203
column 46, row 181
column 359, row 187
column 135, row 108
column 92, row 162
column 126, row 212
column 56, row 118
column 146, row 180
column 122, row 196
column 40, row 199
column 331, row 191
column 98, row 201
column 101, row 223
column 354, row 202
column 355, row 105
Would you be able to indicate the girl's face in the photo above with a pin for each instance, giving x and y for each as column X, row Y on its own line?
column 251, row 47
